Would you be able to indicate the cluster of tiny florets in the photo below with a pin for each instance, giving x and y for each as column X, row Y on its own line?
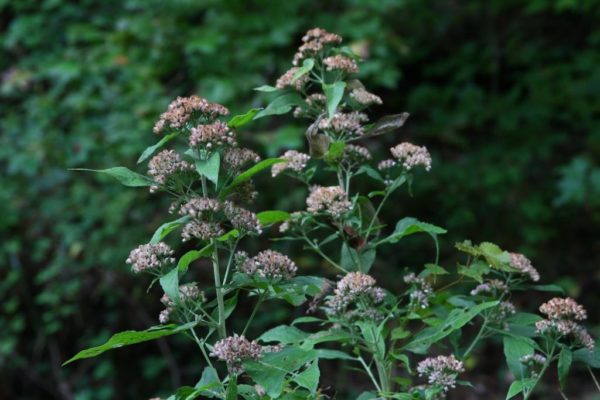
column 354, row 154
column 182, row 109
column 294, row 161
column 364, row 97
column 287, row 80
column 234, row 350
column 523, row 265
column 441, row 371
column 315, row 41
column 164, row 165
column 236, row 158
column 210, row 136
column 330, row 199
column 341, row 63
column 533, row 361
column 493, row 287
column 242, row 219
column 410, row 156
column 385, row 168
column 150, row 256
column 189, row 295
column 267, row 264
column 561, row 316
column 292, row 221
column 350, row 288
column 200, row 207
column 202, row 230
column 419, row 292
column 345, row 123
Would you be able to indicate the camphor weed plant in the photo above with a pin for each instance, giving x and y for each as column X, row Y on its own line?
column 354, row 320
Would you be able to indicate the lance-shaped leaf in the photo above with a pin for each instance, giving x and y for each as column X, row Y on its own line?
column 306, row 67
column 250, row 172
column 210, row 167
column 333, row 94
column 128, row 338
column 124, row 175
column 167, row 228
column 242, row 119
column 150, row 150
column 281, row 105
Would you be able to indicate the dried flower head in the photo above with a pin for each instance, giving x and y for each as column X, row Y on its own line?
column 267, row 264
column 420, row 291
column 331, row 200
column 242, row 219
column 234, row 350
column 211, row 136
column 411, row 156
column 201, row 230
column 163, row 165
column 315, row 41
column 287, row 80
column 347, row 124
column 200, row 207
column 182, row 109
column 364, row 97
column 236, row 158
column 441, row 371
column 294, row 161
column 350, row 288
column 522, row 263
column 341, row 63
column 150, row 257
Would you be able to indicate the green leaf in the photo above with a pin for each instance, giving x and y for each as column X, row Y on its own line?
column 167, row 228
column 232, row 234
column 433, row 269
column 271, row 217
column 128, row 338
column 547, row 288
column 309, row 378
column 250, row 172
column 565, row 359
column 516, row 347
column 124, row 175
column 591, row 358
column 476, row 270
column 150, row 150
column 232, row 393
column 352, row 260
column 334, row 93
column 242, row 119
column 408, row 226
column 284, row 334
column 192, row 256
column 368, row 396
column 455, row 320
column 266, row 88
column 329, row 354
column 208, row 381
column 281, row 105
column 307, row 66
column 170, row 284
column 387, row 124
column 519, row 386
column 210, row 167
column 335, row 153
column 271, row 369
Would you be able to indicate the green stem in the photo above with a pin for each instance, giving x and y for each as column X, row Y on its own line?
column 377, row 211
column 549, row 359
column 594, row 378
column 477, row 338
column 219, row 291
column 201, row 346
column 383, row 375
column 370, row 373
column 319, row 252
column 258, row 303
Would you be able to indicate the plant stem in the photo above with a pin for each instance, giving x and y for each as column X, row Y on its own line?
column 385, row 197
column 594, row 378
column 219, row 291
column 474, row 342
column 258, row 303
column 383, row 376
column 319, row 252
column 201, row 346
column 369, row 372
column 549, row 359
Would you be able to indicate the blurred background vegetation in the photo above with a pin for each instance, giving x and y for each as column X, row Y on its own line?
column 503, row 92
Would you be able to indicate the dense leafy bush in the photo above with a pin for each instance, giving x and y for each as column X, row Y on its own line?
column 354, row 320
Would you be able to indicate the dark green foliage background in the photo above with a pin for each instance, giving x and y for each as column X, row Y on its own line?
column 504, row 94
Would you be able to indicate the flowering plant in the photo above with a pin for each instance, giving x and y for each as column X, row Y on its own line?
column 353, row 319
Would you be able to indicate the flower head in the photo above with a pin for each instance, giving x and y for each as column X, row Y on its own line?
column 182, row 109
column 331, row 200
column 411, row 156
column 242, row 219
column 211, row 136
column 267, row 264
column 287, row 80
column 200, row 207
column 294, row 161
column 441, row 371
column 354, row 154
column 202, row 230
column 563, row 308
column 351, row 288
column 364, row 97
column 561, row 316
column 420, row 291
column 341, row 63
column 163, row 165
column 523, row 265
column 314, row 41
column 236, row 158
column 345, row 123
column 150, row 257
column 234, row 350
column 493, row 287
